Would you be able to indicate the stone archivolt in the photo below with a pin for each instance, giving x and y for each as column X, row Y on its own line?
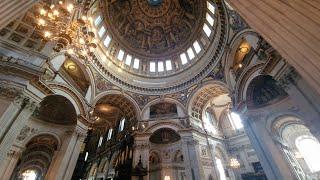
column 155, row 31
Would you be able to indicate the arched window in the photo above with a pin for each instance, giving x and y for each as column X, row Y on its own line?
column 86, row 156
column 121, row 125
column 235, row 120
column 109, row 134
column 29, row 175
column 309, row 148
column 100, row 141
column 220, row 169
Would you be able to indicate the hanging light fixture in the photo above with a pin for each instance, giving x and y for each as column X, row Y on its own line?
column 67, row 26
column 234, row 163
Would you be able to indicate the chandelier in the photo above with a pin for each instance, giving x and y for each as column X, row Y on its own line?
column 234, row 163
column 67, row 26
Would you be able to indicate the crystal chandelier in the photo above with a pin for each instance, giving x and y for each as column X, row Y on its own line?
column 67, row 26
column 234, row 163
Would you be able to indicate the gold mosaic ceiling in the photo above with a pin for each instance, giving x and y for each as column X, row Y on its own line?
column 155, row 28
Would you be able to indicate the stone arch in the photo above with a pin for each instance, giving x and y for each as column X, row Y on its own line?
column 286, row 130
column 244, row 80
column 75, row 98
column 110, row 106
column 200, row 97
column 181, row 110
column 262, row 91
column 57, row 109
column 56, row 136
column 234, row 46
column 165, row 124
column 117, row 92
column 275, row 124
column 37, row 155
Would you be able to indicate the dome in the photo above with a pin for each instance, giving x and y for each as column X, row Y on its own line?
column 152, row 46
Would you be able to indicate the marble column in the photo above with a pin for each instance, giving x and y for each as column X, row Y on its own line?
column 14, row 156
column 190, row 149
column 212, row 154
column 304, row 97
column 14, row 122
column 291, row 27
column 64, row 162
column 11, row 9
column 141, row 148
column 271, row 158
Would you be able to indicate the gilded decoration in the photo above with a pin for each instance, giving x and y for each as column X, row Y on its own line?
column 155, row 31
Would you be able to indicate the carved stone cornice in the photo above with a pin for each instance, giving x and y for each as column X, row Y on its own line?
column 142, row 145
column 9, row 90
column 19, row 67
column 14, row 154
column 26, row 131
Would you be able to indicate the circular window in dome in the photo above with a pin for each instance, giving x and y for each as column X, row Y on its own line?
column 157, row 43
column 154, row 2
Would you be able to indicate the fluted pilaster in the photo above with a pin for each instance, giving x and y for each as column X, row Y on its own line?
column 11, row 9
column 291, row 27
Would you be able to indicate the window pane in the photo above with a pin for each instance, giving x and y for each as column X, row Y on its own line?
column 98, row 21
column 136, row 63
column 207, row 30
column 100, row 141
column 309, row 149
column 211, row 7
column 168, row 65
column 86, row 156
column 210, row 19
column 197, row 47
column 236, row 120
column 152, row 67
column 120, row 55
column 102, row 31
column 128, row 60
column 183, row 58
column 121, row 125
column 29, row 175
column 160, row 66
column 190, row 53
column 107, row 41
column 109, row 134
column 220, row 169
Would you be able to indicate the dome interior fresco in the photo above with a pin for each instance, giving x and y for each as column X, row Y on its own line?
column 156, row 44
column 158, row 90
column 155, row 31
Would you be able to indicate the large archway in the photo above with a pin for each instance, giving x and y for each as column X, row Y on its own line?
column 36, row 158
column 57, row 109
